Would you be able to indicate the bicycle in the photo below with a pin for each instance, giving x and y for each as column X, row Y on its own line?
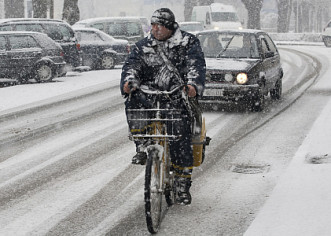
column 158, row 129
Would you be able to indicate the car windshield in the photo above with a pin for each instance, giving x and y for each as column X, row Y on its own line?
column 87, row 36
column 229, row 45
column 224, row 16
column 59, row 32
column 106, row 37
column 124, row 29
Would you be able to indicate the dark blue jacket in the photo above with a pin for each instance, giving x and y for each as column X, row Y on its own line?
column 145, row 66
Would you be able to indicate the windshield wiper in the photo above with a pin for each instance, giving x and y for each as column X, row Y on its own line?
column 225, row 48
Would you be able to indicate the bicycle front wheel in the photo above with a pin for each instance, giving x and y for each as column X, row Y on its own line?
column 153, row 190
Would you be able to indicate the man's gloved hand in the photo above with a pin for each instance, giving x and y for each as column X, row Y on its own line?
column 128, row 88
column 191, row 92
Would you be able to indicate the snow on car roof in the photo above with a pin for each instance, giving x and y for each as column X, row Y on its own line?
column 90, row 29
column 248, row 31
column 20, row 32
column 30, row 19
column 119, row 18
column 80, row 28
column 189, row 23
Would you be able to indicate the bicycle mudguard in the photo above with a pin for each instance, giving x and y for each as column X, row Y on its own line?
column 198, row 141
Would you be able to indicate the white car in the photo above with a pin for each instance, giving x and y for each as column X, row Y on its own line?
column 192, row 27
column 326, row 35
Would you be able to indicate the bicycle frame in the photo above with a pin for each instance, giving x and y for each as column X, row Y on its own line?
column 158, row 175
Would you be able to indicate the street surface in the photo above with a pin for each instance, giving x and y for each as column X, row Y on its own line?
column 65, row 161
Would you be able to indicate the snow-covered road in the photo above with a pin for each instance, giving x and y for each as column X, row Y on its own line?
column 76, row 178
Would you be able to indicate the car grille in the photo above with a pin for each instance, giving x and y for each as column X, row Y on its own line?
column 218, row 78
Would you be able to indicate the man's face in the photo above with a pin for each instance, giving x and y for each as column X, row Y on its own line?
column 160, row 32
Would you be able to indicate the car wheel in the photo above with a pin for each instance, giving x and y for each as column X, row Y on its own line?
column 107, row 62
column 276, row 93
column 44, row 73
column 258, row 103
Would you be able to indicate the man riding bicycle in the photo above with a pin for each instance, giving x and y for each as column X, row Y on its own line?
column 165, row 59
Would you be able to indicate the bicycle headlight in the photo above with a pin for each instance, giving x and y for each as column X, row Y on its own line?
column 241, row 78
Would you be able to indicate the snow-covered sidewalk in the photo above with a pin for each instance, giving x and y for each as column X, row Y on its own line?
column 300, row 203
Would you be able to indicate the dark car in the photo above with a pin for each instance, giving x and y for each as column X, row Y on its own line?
column 29, row 55
column 99, row 50
column 326, row 34
column 242, row 66
column 57, row 30
column 128, row 28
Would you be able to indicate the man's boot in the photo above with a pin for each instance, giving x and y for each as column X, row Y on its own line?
column 140, row 158
column 183, row 185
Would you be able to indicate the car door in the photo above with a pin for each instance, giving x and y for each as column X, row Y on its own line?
column 91, row 46
column 23, row 53
column 4, row 63
column 269, row 62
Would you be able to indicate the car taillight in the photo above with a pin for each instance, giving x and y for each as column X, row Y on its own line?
column 78, row 46
column 128, row 48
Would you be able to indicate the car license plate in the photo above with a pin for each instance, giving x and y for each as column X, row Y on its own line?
column 213, row 92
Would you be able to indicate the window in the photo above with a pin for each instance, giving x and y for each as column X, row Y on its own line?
column 84, row 36
column 59, row 32
column 2, row 43
column 271, row 45
column 22, row 41
column 255, row 50
column 194, row 16
column 123, row 29
column 224, row 16
column 207, row 18
column 98, row 26
column 5, row 28
column 264, row 45
column 29, row 27
column 46, row 42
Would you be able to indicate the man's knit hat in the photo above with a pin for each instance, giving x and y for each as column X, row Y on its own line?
column 165, row 17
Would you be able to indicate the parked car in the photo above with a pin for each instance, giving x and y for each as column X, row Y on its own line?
column 326, row 34
column 242, row 66
column 58, row 30
column 99, row 50
column 191, row 26
column 29, row 55
column 128, row 28
column 146, row 25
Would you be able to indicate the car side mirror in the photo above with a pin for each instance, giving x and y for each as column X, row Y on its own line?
column 269, row 54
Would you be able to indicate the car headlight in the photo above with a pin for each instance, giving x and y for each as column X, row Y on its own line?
column 241, row 78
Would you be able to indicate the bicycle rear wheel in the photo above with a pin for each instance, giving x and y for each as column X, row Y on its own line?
column 153, row 190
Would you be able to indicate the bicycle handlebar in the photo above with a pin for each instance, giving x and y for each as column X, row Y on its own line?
column 159, row 92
